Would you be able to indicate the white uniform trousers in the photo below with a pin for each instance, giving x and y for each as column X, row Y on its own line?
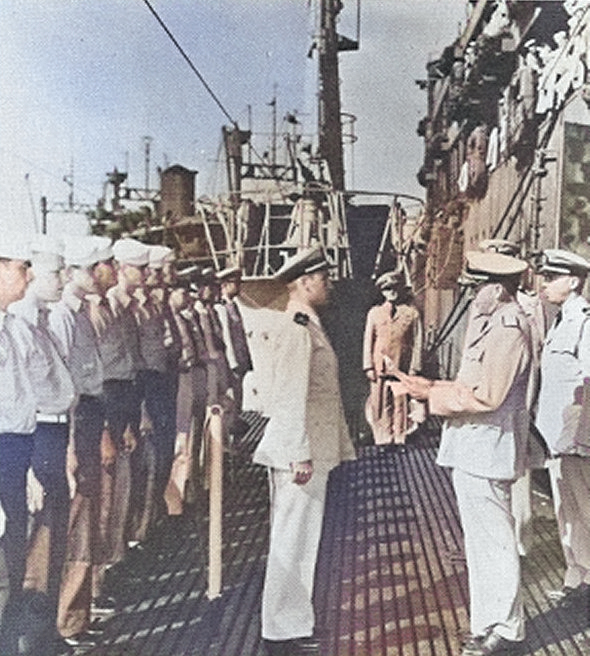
column 296, row 514
column 493, row 563
column 570, row 484
column 522, row 509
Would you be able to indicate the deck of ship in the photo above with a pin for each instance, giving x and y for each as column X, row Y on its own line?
column 391, row 577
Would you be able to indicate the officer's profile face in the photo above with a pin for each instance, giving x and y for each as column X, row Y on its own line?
column 556, row 287
column 83, row 279
column 14, row 278
column 318, row 285
column 105, row 275
column 47, row 283
column 134, row 276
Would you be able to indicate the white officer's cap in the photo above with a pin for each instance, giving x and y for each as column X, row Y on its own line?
column 557, row 260
column 481, row 266
column 80, row 251
column 14, row 245
column 310, row 260
column 504, row 246
column 229, row 273
column 47, row 252
column 130, row 251
column 104, row 248
column 159, row 255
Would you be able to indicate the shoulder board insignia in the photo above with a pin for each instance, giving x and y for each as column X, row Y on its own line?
column 510, row 321
column 301, row 318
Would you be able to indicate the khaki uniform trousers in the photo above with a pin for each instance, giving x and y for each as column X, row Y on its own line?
column 296, row 515
column 493, row 563
column 570, row 483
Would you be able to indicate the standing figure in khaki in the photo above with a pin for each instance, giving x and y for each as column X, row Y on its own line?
column 392, row 341
column 564, row 412
column 484, row 441
column 530, row 302
column 305, row 438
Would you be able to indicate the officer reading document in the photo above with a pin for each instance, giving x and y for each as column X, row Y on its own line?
column 305, row 438
column 484, row 442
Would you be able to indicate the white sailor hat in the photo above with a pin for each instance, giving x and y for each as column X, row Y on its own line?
column 131, row 251
column 229, row 273
column 481, row 266
column 158, row 255
column 104, row 248
column 504, row 246
column 310, row 260
column 80, row 251
column 14, row 245
column 391, row 280
column 47, row 252
column 557, row 260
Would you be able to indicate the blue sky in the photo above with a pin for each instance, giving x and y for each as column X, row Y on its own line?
column 84, row 81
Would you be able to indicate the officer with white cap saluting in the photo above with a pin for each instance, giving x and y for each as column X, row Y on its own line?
column 563, row 415
column 484, row 441
column 305, row 438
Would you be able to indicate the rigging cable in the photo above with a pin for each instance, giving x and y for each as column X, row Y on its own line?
column 190, row 63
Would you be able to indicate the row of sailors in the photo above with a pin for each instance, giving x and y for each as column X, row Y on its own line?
column 86, row 368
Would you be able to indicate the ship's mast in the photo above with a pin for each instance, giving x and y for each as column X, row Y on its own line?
column 329, row 111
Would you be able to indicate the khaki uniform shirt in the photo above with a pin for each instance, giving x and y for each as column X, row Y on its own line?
column 486, row 432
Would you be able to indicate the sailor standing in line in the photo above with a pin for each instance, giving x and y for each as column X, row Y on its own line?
column 563, row 416
column 234, row 334
column 305, row 438
column 20, row 370
column 47, row 543
column 484, row 441
column 92, row 447
column 155, row 384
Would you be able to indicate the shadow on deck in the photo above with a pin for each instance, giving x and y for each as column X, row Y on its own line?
column 391, row 573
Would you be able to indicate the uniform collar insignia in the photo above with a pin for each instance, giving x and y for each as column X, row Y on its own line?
column 301, row 318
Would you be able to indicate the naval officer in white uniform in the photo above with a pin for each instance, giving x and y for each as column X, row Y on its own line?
column 305, row 438
column 484, row 441
column 564, row 412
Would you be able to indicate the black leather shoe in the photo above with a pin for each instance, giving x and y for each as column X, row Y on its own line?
column 567, row 597
column 279, row 647
column 83, row 640
column 308, row 645
column 496, row 644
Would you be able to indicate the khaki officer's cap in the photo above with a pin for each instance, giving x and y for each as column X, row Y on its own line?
column 485, row 265
column 310, row 260
column 557, row 260
column 14, row 245
column 131, row 251
column 391, row 280
column 504, row 246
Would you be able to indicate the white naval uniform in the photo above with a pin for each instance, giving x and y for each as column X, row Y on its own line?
column 484, row 441
column 306, row 423
column 565, row 362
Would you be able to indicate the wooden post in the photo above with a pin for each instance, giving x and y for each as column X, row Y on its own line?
column 215, row 500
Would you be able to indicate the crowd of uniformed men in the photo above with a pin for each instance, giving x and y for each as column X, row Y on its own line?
column 106, row 375
column 109, row 360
